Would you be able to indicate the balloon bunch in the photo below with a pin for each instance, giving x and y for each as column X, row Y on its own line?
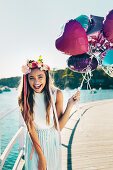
column 89, row 41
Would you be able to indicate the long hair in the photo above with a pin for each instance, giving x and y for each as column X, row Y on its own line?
column 30, row 99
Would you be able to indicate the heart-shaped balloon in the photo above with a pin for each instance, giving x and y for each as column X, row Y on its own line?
column 108, row 59
column 108, row 27
column 95, row 24
column 84, row 21
column 74, row 40
column 80, row 63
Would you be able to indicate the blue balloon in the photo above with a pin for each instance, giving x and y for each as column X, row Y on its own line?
column 108, row 59
column 83, row 20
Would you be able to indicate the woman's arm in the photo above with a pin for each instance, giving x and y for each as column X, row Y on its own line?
column 63, row 117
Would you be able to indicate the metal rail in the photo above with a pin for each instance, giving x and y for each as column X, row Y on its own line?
column 19, row 134
column 8, row 112
column 4, row 155
column 21, row 153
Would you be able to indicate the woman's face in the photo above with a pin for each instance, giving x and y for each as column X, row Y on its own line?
column 37, row 80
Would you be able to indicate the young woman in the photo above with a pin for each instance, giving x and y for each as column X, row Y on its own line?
column 41, row 106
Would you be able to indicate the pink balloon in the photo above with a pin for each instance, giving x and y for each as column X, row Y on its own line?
column 74, row 39
column 108, row 27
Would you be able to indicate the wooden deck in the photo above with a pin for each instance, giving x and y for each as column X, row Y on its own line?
column 87, row 143
column 87, row 140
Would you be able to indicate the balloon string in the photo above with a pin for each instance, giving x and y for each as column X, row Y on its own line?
column 86, row 77
column 82, row 82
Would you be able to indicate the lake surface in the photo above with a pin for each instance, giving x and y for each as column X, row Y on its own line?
column 10, row 124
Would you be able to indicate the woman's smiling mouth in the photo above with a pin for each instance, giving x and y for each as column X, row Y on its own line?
column 37, row 86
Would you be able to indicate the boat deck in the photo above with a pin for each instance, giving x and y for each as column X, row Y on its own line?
column 88, row 141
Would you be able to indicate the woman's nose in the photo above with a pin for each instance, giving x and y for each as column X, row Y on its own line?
column 36, row 80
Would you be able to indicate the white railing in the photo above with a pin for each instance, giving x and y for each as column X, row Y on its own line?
column 21, row 153
column 7, row 113
column 19, row 134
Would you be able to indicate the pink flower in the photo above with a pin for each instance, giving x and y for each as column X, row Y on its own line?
column 34, row 64
column 26, row 69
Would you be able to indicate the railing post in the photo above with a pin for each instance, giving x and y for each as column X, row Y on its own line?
column 21, row 137
column 99, row 94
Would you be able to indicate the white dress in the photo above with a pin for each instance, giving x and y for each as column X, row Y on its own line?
column 48, row 137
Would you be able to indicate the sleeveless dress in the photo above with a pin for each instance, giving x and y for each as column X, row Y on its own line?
column 48, row 137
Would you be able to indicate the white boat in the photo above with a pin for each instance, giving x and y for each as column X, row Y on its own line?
column 93, row 91
column 5, row 89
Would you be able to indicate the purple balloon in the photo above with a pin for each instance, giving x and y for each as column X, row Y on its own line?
column 108, row 27
column 74, row 39
column 79, row 63
column 95, row 24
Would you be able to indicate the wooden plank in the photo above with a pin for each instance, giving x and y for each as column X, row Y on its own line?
column 88, row 144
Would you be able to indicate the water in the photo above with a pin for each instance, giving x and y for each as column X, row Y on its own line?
column 10, row 124
column 87, row 96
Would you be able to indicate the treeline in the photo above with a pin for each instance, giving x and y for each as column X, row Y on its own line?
column 67, row 78
column 11, row 82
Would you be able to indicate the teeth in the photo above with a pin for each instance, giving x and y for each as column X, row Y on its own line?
column 37, row 85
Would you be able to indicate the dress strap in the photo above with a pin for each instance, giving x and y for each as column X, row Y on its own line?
column 53, row 97
column 54, row 92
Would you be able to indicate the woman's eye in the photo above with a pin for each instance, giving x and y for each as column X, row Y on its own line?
column 32, row 78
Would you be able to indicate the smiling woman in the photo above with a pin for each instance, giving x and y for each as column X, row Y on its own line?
column 41, row 106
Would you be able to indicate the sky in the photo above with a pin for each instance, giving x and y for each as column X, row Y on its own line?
column 29, row 28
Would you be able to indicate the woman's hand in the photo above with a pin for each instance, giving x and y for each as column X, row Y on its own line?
column 59, row 105
column 42, row 164
column 74, row 98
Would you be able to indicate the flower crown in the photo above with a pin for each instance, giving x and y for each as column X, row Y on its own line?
column 34, row 64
